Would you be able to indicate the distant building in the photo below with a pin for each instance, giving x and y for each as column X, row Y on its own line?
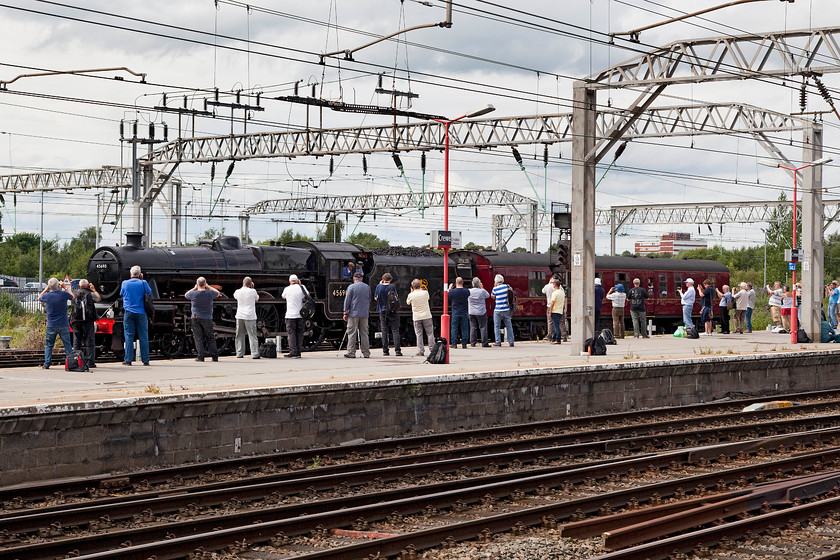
column 669, row 244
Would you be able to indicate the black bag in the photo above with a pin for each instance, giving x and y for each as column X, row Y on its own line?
column 82, row 308
column 149, row 306
column 393, row 303
column 268, row 349
column 608, row 337
column 802, row 337
column 511, row 300
column 691, row 332
column 307, row 307
column 595, row 346
column 75, row 362
column 439, row 350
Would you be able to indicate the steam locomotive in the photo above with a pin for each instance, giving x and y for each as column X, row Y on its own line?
column 225, row 261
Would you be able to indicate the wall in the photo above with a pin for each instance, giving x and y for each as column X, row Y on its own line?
column 81, row 439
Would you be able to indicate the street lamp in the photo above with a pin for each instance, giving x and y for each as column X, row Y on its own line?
column 444, row 319
column 794, row 327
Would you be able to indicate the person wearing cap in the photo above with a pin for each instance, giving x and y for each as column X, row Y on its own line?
column 687, row 300
column 246, row 318
column 294, row 294
column 618, row 297
column 600, row 294
column 356, row 311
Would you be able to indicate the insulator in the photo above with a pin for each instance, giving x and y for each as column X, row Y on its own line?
column 296, row 88
column 122, row 130
column 313, row 90
column 476, row 211
column 823, row 91
column 151, row 131
column 516, row 155
column 364, row 164
column 134, row 129
column 803, row 97
column 258, row 98
column 229, row 170
column 238, row 94
column 165, row 131
column 217, row 94
column 380, row 81
column 185, row 102
column 423, row 161
column 164, row 100
column 332, row 165
column 397, row 160
column 545, row 155
column 14, row 199
column 212, row 171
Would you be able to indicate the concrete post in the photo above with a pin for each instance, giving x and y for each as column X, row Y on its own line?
column 533, row 226
column 613, row 232
column 582, row 258
column 811, row 264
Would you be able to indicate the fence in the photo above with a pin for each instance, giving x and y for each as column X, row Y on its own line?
column 28, row 297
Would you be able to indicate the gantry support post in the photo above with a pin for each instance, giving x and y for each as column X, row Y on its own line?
column 812, row 232
column 582, row 262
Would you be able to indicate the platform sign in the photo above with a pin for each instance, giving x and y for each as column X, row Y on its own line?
column 792, row 255
column 443, row 239
column 791, row 266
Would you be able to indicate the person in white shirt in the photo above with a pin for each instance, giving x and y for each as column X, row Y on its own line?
column 246, row 318
column 418, row 299
column 618, row 297
column 547, row 290
column 293, row 294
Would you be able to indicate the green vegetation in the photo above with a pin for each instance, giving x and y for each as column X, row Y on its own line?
column 19, row 255
column 27, row 330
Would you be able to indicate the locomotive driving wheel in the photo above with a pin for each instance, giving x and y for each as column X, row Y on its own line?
column 268, row 321
column 313, row 336
column 171, row 345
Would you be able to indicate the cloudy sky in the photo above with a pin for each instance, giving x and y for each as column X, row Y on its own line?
column 522, row 61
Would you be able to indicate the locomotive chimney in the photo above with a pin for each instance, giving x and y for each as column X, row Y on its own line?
column 134, row 239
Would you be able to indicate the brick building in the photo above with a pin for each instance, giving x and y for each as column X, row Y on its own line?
column 669, row 244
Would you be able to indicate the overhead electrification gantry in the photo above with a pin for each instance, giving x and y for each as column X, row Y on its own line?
column 762, row 56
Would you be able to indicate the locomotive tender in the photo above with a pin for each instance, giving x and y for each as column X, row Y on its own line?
column 225, row 261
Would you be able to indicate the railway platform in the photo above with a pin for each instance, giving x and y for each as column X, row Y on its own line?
column 56, row 424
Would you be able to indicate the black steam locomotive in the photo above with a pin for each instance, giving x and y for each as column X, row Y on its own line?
column 224, row 262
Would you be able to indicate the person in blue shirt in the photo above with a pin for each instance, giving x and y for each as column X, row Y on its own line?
column 501, row 313
column 356, row 311
column 55, row 297
column 459, row 298
column 201, row 297
column 833, row 293
column 350, row 270
column 133, row 293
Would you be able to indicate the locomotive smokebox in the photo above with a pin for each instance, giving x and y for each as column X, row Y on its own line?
column 134, row 239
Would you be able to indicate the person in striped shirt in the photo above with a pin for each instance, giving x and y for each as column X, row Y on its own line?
column 502, row 310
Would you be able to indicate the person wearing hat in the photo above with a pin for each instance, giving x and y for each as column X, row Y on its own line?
column 294, row 294
column 600, row 294
column 356, row 311
column 687, row 300
column 618, row 297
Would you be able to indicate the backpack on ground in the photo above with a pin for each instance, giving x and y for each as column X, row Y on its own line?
column 82, row 308
column 439, row 350
column 75, row 362
column 393, row 303
column 268, row 349
column 595, row 346
column 307, row 306
column 511, row 300
column 691, row 332
column 608, row 337
column 802, row 337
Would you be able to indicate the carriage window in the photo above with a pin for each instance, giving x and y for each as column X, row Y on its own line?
column 335, row 270
column 621, row 278
column 651, row 287
column 536, row 282
column 678, row 283
column 663, row 285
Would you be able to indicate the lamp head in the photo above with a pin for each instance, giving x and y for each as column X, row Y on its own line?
column 822, row 161
column 768, row 163
column 481, row 111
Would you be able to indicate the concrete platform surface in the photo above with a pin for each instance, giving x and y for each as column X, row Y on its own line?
column 27, row 387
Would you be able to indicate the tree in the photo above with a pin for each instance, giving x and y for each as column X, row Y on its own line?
column 289, row 235
column 520, row 250
column 332, row 230
column 473, row 247
column 367, row 240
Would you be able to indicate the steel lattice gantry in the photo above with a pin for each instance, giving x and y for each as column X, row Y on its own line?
column 104, row 177
column 400, row 201
column 753, row 56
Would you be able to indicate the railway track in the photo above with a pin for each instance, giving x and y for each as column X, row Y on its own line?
column 28, row 358
column 428, row 498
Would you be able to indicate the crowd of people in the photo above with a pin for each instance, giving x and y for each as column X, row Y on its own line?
column 468, row 325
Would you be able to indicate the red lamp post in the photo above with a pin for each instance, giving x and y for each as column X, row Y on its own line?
column 444, row 319
column 794, row 327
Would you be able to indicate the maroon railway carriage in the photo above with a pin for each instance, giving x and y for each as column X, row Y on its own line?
column 527, row 273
